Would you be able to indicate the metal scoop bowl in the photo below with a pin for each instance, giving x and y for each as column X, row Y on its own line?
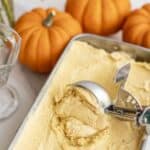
column 97, row 91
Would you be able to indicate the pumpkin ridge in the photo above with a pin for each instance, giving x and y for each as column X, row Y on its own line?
column 37, row 14
column 139, row 14
column 62, row 30
column 38, row 50
column 92, row 18
column 133, row 25
column 142, row 35
column 63, row 34
column 100, row 25
column 117, row 10
column 122, row 15
column 29, row 16
column 25, row 22
column 143, row 12
column 29, row 28
column 146, row 12
column 29, row 52
column 71, row 7
column 129, row 23
column 24, row 28
column 37, row 11
column 51, row 51
column 102, row 18
column 83, row 15
column 70, row 30
column 147, row 8
column 34, row 29
column 62, row 19
column 25, row 51
column 108, row 27
column 22, row 53
column 37, row 56
column 44, row 63
column 62, row 38
column 145, row 38
column 129, row 33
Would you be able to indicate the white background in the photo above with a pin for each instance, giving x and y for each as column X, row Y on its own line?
column 27, row 83
column 24, row 5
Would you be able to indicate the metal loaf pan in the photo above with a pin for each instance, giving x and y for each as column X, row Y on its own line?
column 140, row 54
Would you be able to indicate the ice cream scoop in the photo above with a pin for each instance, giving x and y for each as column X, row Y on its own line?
column 104, row 100
column 131, row 110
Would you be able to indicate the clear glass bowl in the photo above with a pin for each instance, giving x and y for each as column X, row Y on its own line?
column 9, row 49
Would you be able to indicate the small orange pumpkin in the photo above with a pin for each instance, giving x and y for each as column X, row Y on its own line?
column 102, row 17
column 44, row 35
column 136, row 29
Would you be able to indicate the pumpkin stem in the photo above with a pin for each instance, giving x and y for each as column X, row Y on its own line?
column 49, row 20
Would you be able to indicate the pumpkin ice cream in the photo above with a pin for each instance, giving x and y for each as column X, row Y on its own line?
column 69, row 119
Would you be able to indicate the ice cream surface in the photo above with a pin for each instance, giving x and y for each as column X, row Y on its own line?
column 70, row 119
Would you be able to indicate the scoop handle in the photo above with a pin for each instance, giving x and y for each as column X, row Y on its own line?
column 146, row 143
column 122, row 113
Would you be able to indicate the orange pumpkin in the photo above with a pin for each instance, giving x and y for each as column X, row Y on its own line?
column 136, row 29
column 102, row 17
column 44, row 35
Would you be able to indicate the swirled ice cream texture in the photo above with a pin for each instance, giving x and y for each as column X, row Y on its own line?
column 68, row 119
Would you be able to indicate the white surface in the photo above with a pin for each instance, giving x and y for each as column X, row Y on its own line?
column 27, row 83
